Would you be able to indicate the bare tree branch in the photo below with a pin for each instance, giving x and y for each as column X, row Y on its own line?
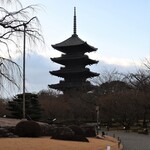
column 9, row 70
column 12, row 24
column 11, row 37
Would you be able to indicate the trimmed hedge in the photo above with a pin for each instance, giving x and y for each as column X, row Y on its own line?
column 89, row 131
column 77, row 130
column 28, row 129
column 62, row 133
column 71, row 133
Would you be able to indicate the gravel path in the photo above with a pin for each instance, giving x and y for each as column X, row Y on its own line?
column 132, row 141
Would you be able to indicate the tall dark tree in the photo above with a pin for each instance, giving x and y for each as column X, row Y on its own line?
column 33, row 108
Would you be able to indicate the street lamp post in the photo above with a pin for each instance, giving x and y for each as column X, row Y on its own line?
column 24, row 48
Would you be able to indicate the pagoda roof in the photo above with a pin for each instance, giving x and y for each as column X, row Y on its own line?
column 62, row 86
column 74, row 40
column 83, row 59
column 82, row 72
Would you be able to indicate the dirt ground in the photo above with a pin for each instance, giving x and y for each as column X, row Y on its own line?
column 46, row 143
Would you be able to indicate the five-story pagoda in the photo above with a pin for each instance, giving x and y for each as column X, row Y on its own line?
column 74, row 60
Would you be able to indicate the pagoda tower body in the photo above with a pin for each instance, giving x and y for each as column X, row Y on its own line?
column 74, row 60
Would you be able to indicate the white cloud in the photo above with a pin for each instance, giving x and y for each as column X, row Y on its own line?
column 121, row 61
column 38, row 66
column 124, row 62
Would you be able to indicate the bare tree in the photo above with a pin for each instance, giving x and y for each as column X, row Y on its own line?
column 108, row 76
column 147, row 64
column 12, row 24
column 140, row 81
column 8, row 71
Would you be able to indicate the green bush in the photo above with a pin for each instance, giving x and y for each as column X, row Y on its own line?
column 28, row 129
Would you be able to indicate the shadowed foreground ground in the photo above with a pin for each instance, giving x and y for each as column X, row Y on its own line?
column 46, row 143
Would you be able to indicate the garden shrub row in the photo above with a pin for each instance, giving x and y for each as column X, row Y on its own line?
column 33, row 129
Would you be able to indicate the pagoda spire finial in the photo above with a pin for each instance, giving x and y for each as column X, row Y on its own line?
column 75, row 23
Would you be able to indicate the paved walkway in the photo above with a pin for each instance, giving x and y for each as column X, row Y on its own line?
column 132, row 141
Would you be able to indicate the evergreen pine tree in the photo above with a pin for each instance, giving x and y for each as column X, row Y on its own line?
column 33, row 108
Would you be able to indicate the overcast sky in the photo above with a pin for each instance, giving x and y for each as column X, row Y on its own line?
column 120, row 29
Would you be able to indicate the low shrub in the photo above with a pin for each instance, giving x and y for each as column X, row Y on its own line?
column 71, row 133
column 28, row 129
column 62, row 133
column 77, row 130
column 89, row 131
column 11, row 129
column 79, row 134
column 3, row 132
column 46, row 129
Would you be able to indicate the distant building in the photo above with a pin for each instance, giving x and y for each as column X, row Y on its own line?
column 74, row 59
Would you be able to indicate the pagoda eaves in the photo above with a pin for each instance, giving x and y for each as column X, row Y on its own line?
column 80, row 72
column 72, row 44
column 64, row 60
column 68, row 86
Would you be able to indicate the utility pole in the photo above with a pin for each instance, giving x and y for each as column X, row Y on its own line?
column 24, row 52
